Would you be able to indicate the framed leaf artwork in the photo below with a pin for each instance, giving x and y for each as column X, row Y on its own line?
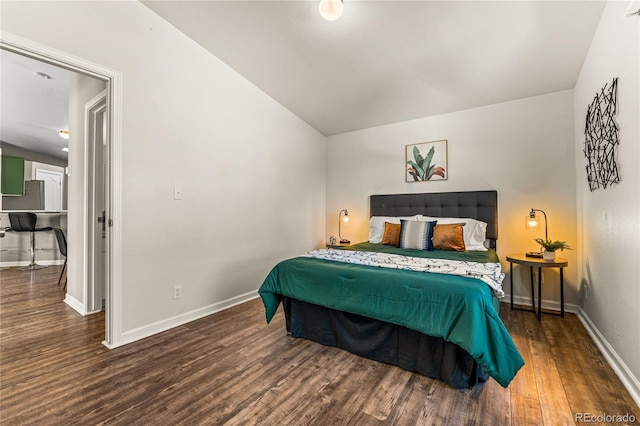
column 426, row 162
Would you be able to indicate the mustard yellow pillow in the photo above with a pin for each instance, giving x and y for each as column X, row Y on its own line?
column 448, row 237
column 391, row 236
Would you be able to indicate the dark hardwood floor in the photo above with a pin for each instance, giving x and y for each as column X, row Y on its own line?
column 232, row 368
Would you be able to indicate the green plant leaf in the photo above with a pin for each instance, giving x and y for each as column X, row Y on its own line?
column 417, row 156
column 550, row 245
column 417, row 168
column 428, row 172
column 427, row 167
column 430, row 154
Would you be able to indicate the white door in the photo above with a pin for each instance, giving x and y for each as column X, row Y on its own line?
column 98, row 167
column 52, row 189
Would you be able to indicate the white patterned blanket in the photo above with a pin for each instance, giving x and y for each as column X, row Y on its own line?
column 489, row 273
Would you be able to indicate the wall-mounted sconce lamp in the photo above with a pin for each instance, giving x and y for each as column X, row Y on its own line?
column 532, row 222
column 345, row 219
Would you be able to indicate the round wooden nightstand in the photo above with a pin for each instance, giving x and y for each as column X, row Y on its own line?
column 534, row 262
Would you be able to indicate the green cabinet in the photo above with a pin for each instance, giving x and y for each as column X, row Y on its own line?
column 12, row 179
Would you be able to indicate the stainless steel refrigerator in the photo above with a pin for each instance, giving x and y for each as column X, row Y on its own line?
column 33, row 198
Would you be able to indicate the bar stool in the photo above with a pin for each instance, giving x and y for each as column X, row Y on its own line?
column 26, row 222
column 62, row 246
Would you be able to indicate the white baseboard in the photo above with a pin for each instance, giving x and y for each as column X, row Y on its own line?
column 160, row 326
column 629, row 380
column 109, row 345
column 26, row 262
column 551, row 305
column 75, row 304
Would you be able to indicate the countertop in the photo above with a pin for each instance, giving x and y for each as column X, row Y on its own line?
column 33, row 211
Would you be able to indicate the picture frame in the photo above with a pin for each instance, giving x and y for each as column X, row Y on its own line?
column 426, row 161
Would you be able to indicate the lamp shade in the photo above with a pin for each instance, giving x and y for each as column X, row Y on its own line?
column 531, row 223
column 345, row 219
column 330, row 9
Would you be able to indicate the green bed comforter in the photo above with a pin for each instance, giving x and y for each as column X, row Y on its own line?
column 459, row 309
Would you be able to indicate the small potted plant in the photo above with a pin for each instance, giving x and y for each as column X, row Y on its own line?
column 550, row 247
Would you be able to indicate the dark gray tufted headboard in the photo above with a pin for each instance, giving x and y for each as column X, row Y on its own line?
column 481, row 205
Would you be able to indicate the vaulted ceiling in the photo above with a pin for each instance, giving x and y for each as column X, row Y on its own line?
column 382, row 62
column 390, row 61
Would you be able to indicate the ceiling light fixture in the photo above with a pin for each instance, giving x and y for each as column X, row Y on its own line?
column 64, row 134
column 330, row 9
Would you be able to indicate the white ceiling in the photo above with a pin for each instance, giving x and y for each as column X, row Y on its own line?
column 33, row 109
column 382, row 62
column 390, row 61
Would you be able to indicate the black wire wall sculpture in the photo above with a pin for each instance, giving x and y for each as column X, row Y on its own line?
column 601, row 139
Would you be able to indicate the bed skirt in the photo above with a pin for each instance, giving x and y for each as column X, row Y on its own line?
column 384, row 342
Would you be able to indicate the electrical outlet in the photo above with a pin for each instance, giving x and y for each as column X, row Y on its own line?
column 177, row 292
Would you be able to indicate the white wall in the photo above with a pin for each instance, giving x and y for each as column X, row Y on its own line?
column 609, row 219
column 523, row 149
column 252, row 173
column 8, row 149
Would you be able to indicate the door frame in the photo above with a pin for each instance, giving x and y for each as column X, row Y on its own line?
column 113, row 79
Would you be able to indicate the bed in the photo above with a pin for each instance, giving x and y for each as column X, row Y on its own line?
column 395, row 305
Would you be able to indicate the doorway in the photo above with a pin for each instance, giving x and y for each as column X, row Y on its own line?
column 52, row 189
column 110, row 120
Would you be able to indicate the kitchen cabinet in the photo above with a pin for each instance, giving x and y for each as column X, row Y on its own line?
column 12, row 179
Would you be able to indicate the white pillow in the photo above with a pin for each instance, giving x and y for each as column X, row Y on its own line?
column 376, row 226
column 474, row 232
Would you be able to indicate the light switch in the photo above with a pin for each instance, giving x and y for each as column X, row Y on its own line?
column 177, row 193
